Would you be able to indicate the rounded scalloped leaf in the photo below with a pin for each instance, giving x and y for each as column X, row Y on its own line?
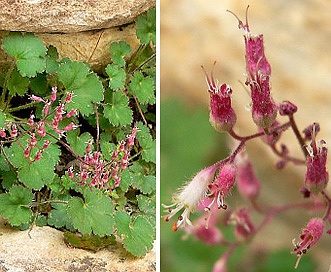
column 146, row 27
column 138, row 236
column 142, row 87
column 29, row 52
column 93, row 214
column 118, row 112
column 86, row 86
column 14, row 205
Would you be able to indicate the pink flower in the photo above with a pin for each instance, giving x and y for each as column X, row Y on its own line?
column 309, row 236
column 53, row 95
column 222, row 263
column 220, row 188
column 308, row 131
column 222, row 116
column 273, row 138
column 3, row 133
column 211, row 235
column 317, row 176
column 264, row 109
column 37, row 98
column 14, row 131
column 244, row 228
column 247, row 182
column 38, row 155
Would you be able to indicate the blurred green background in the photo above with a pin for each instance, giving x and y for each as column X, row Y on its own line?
column 188, row 144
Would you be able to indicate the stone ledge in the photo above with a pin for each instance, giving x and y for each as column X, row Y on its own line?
column 67, row 16
column 46, row 251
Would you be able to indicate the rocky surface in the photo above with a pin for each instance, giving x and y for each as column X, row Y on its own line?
column 80, row 30
column 67, row 16
column 46, row 251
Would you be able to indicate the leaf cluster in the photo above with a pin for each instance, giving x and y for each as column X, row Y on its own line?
column 107, row 105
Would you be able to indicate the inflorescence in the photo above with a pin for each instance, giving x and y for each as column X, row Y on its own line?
column 209, row 188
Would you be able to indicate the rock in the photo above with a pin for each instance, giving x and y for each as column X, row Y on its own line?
column 67, row 16
column 80, row 30
column 89, row 46
column 46, row 251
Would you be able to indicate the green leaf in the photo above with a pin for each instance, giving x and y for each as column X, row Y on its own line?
column 38, row 85
column 59, row 217
column 9, row 178
column 146, row 27
column 78, row 142
column 14, row 205
column 2, row 119
column 126, row 180
column 118, row 51
column 147, row 184
column 85, row 84
column 118, row 112
column 29, row 52
column 147, row 143
column 142, row 87
column 147, row 206
column 117, row 76
column 94, row 214
column 17, row 84
column 106, row 146
column 35, row 175
column 15, row 155
column 137, row 236
column 51, row 60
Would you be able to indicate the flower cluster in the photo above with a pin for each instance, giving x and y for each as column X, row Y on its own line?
column 211, row 185
column 37, row 130
column 97, row 172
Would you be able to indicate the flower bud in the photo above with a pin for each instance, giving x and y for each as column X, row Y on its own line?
column 210, row 236
column 244, row 228
column 317, row 176
column 222, row 116
column 247, row 182
column 309, row 236
column 287, row 108
column 221, row 186
column 264, row 109
column 222, row 264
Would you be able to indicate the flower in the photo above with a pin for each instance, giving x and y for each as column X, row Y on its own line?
column 244, row 228
column 308, row 131
column 222, row 116
column 264, row 109
column 210, row 235
column 220, row 188
column 189, row 197
column 247, row 182
column 317, row 176
column 309, row 236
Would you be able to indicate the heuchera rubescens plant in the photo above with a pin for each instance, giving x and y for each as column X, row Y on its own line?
column 209, row 188
column 77, row 146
